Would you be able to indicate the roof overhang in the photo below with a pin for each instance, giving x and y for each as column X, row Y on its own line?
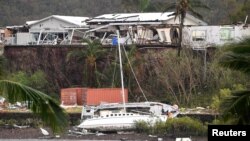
column 76, row 21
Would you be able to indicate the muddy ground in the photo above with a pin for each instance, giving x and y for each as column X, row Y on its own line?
column 35, row 133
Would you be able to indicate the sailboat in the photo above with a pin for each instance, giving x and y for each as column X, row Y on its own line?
column 123, row 116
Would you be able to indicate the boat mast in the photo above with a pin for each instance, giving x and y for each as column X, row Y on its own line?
column 120, row 60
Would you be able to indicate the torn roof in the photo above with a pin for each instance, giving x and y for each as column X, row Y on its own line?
column 142, row 18
column 79, row 21
column 132, row 17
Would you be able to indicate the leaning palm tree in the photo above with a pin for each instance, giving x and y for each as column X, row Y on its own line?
column 39, row 103
column 181, row 8
column 237, row 57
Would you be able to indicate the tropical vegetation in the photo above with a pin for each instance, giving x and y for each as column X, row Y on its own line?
column 92, row 56
column 237, row 105
column 181, row 126
column 156, row 71
column 39, row 103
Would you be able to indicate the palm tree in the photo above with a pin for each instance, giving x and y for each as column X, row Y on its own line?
column 237, row 57
column 40, row 104
column 93, row 54
column 132, row 65
column 181, row 8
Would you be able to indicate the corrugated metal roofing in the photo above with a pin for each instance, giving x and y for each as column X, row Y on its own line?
column 132, row 17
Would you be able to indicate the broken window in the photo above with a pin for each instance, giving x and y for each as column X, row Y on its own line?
column 199, row 35
column 226, row 33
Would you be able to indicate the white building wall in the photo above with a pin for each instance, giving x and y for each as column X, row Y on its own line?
column 23, row 38
column 213, row 35
column 51, row 25
column 245, row 31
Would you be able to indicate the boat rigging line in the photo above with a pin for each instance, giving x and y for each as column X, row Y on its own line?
column 134, row 74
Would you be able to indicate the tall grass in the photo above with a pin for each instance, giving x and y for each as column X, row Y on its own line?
column 185, row 126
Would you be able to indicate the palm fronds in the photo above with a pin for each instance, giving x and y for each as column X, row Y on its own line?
column 238, row 104
column 91, row 55
column 237, row 57
column 39, row 103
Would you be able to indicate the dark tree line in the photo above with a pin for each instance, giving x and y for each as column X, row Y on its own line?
column 15, row 12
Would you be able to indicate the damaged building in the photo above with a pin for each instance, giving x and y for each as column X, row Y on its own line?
column 150, row 29
column 141, row 29
column 51, row 30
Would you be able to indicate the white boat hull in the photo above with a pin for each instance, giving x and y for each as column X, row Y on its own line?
column 118, row 123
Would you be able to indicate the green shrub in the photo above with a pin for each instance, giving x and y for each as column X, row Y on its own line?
column 1, row 122
column 31, row 122
column 142, row 127
column 36, row 80
column 227, row 120
column 185, row 126
column 11, row 122
column 159, row 128
column 217, row 99
column 24, row 122
column 150, row 128
column 175, row 126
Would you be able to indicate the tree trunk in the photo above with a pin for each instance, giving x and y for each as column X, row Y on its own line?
column 181, row 29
